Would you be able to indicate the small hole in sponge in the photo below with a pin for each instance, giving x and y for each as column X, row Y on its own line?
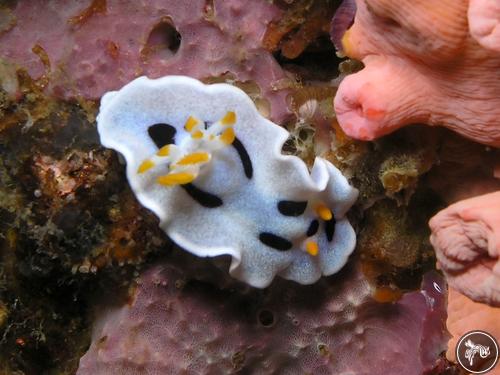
column 163, row 41
column 266, row 318
column 102, row 341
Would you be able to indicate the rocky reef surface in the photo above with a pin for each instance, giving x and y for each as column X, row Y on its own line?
column 78, row 252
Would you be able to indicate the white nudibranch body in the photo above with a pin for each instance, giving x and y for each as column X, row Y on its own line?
column 204, row 160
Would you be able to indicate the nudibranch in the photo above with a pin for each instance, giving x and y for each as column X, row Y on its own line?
column 204, row 160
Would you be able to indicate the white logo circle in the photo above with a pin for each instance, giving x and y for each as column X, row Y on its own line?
column 476, row 350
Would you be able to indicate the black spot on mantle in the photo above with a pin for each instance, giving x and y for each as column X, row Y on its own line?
column 274, row 241
column 162, row 134
column 245, row 158
column 291, row 208
column 204, row 198
column 313, row 228
column 330, row 229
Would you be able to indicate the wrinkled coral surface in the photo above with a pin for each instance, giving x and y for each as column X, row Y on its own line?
column 422, row 65
column 107, row 43
column 175, row 325
column 466, row 236
column 437, row 65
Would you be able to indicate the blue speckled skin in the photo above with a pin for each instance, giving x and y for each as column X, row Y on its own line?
column 250, row 204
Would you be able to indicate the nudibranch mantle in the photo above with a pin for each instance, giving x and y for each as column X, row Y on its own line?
column 204, row 160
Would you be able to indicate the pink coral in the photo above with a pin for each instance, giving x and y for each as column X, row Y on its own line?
column 86, row 48
column 484, row 23
column 174, row 324
column 423, row 65
column 436, row 65
column 466, row 236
